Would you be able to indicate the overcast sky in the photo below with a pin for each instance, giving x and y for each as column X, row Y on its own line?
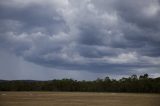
column 79, row 39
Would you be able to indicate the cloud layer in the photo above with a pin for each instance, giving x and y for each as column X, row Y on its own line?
column 116, row 37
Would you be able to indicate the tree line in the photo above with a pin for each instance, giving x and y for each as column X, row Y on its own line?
column 141, row 84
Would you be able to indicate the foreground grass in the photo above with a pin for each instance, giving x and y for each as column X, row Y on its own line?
column 77, row 99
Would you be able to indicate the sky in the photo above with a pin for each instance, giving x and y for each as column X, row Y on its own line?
column 79, row 39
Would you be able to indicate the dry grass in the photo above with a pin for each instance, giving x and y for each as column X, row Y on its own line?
column 77, row 99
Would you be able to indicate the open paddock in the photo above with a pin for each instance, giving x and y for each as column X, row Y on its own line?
column 77, row 99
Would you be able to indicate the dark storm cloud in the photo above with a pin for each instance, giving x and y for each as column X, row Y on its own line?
column 143, row 25
column 94, row 35
column 141, row 13
column 34, row 17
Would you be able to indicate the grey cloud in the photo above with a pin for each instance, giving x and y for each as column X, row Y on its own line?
column 95, row 36
column 141, row 13
column 142, row 25
column 34, row 17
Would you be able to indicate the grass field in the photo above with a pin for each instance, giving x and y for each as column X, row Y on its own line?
column 77, row 99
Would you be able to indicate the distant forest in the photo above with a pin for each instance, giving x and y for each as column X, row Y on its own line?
column 141, row 84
